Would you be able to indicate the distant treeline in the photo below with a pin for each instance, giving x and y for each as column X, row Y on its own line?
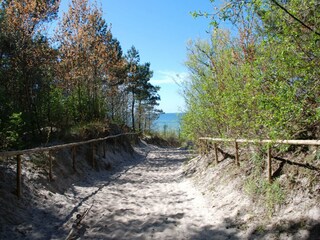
column 76, row 75
column 262, row 79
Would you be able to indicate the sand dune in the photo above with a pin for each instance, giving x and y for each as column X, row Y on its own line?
column 146, row 194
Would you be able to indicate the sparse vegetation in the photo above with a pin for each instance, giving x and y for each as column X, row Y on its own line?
column 268, row 194
column 169, row 138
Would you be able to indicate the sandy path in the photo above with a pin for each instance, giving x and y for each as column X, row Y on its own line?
column 151, row 200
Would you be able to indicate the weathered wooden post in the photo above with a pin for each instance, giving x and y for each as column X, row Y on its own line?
column 50, row 166
column 269, row 166
column 104, row 149
column 237, row 153
column 114, row 145
column 19, row 176
column 216, row 153
column 74, row 158
column 201, row 148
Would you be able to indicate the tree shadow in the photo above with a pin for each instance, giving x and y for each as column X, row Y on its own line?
column 154, row 163
column 126, row 214
column 278, row 172
column 288, row 229
column 314, row 232
column 162, row 226
column 23, row 218
column 306, row 165
column 225, row 155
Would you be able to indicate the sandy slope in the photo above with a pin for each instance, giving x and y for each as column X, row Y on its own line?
column 145, row 196
column 223, row 184
column 149, row 201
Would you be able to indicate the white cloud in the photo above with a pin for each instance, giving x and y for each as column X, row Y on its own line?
column 169, row 77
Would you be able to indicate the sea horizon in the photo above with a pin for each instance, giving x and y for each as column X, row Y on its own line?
column 168, row 122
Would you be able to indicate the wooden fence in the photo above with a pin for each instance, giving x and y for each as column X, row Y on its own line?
column 268, row 142
column 50, row 149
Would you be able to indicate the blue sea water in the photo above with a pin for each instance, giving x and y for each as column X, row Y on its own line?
column 168, row 121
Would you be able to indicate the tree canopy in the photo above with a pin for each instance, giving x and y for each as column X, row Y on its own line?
column 77, row 76
column 260, row 81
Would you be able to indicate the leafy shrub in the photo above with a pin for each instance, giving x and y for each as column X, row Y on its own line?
column 11, row 134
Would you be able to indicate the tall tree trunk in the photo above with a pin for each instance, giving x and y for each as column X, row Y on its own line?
column 132, row 111
column 139, row 116
column 79, row 104
column 112, row 108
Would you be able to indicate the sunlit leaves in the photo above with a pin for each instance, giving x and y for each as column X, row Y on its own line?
column 265, row 82
column 25, row 56
column 78, row 76
column 85, row 54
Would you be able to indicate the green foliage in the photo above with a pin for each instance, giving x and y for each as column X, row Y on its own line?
column 261, row 83
column 271, row 195
column 11, row 134
column 317, row 158
column 274, row 196
column 87, row 130
column 77, row 77
column 56, row 108
column 169, row 138
column 143, row 95
column 83, row 108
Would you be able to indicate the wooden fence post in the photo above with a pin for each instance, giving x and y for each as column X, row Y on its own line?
column 237, row 153
column 50, row 166
column 216, row 153
column 74, row 158
column 104, row 149
column 269, row 166
column 202, row 148
column 19, row 176
column 114, row 145
column 206, row 148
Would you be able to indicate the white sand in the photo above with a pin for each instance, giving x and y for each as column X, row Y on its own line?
column 140, row 198
column 145, row 196
column 149, row 201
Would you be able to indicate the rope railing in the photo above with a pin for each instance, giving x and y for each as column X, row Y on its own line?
column 57, row 147
column 290, row 142
column 268, row 142
column 50, row 149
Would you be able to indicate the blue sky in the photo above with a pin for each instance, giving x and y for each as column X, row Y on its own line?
column 160, row 31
